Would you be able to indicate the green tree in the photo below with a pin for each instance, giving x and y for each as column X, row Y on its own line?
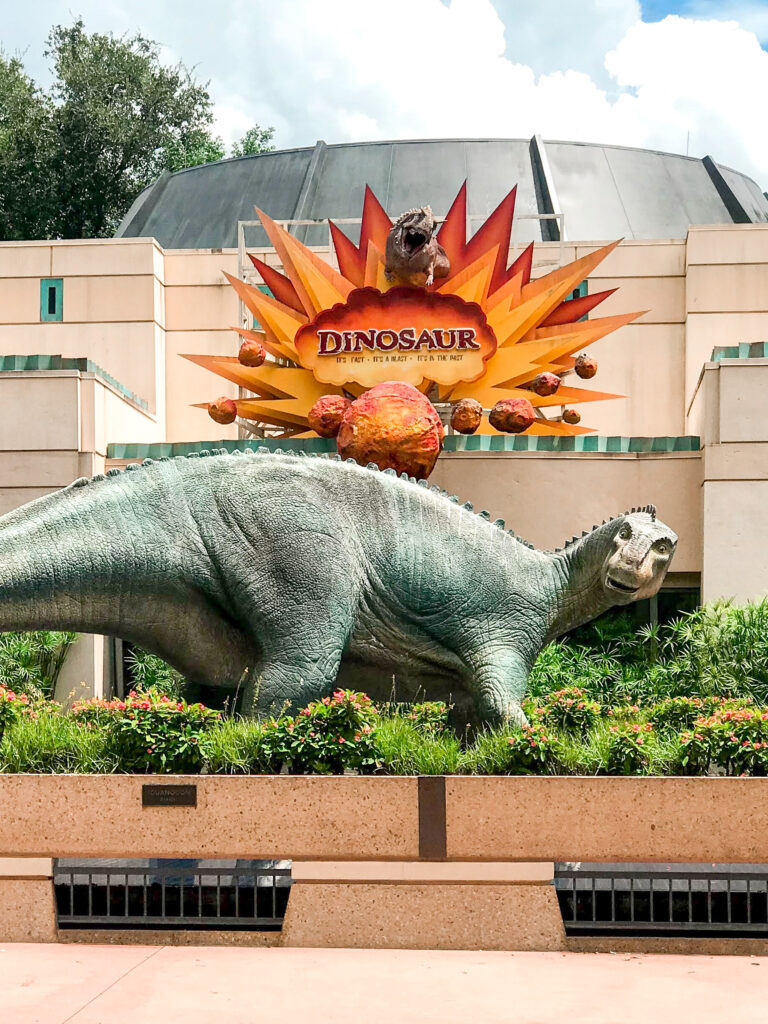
column 255, row 140
column 117, row 110
column 27, row 193
column 73, row 159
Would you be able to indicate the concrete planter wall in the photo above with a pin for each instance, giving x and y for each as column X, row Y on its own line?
column 451, row 862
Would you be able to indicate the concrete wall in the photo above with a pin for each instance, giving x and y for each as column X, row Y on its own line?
column 729, row 406
column 113, row 307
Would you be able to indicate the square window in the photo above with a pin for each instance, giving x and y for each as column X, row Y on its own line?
column 51, row 299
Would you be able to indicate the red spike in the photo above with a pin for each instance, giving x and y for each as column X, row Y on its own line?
column 496, row 231
column 280, row 286
column 376, row 224
column 523, row 264
column 453, row 231
column 375, row 227
column 571, row 310
column 351, row 263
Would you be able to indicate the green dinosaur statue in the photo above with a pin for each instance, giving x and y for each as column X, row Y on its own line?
column 309, row 573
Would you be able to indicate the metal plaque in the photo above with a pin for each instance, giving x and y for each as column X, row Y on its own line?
column 168, row 796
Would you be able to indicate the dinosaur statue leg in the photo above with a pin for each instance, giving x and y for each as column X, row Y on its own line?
column 292, row 675
column 498, row 686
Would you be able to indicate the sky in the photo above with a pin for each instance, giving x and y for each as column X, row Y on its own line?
column 677, row 75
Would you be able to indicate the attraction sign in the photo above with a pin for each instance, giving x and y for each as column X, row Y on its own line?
column 419, row 305
column 405, row 334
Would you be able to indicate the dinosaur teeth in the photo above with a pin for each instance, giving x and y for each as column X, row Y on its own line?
column 205, row 453
column 422, row 483
column 453, row 498
column 371, row 465
column 263, row 451
column 404, row 476
column 485, row 515
column 192, row 455
column 500, row 523
column 148, row 462
column 389, row 472
column 334, row 457
column 468, row 506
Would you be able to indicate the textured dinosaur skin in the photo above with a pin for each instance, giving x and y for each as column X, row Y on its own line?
column 413, row 254
column 308, row 572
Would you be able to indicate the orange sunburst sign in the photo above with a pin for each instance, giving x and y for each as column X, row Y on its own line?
column 485, row 331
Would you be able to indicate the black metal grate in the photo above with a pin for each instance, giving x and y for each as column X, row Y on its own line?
column 681, row 901
column 248, row 895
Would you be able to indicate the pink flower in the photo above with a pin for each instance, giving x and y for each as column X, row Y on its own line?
column 341, row 739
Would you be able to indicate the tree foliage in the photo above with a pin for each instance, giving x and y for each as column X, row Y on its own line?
column 73, row 158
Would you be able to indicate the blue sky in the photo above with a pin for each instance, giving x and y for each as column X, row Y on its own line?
column 648, row 73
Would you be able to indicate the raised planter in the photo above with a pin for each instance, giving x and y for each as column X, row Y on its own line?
column 453, row 862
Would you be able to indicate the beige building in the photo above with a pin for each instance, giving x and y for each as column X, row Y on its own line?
column 91, row 375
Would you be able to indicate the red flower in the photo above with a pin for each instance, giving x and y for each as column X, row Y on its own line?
column 341, row 739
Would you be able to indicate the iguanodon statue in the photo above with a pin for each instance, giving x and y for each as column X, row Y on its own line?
column 311, row 572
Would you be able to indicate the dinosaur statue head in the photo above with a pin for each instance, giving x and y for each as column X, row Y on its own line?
column 413, row 230
column 639, row 555
column 414, row 256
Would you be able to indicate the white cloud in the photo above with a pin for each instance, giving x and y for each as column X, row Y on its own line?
column 342, row 70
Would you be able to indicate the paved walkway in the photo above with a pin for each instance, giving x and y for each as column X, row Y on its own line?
column 68, row 984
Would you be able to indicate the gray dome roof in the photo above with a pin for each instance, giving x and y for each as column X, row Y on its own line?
column 603, row 192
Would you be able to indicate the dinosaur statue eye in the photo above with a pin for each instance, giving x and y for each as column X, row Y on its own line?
column 662, row 548
column 625, row 532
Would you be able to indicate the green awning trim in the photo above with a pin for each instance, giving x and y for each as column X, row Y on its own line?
column 744, row 350
column 452, row 443
column 42, row 362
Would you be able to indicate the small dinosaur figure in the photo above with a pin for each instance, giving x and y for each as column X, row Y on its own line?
column 310, row 573
column 414, row 256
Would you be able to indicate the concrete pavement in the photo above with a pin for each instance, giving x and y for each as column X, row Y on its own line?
column 74, row 984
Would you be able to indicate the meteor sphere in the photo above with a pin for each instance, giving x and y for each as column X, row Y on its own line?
column 252, row 353
column 467, row 416
column 223, row 410
column 326, row 414
column 394, row 426
column 585, row 366
column 512, row 415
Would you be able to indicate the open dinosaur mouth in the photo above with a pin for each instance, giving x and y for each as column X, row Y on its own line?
column 413, row 241
column 621, row 587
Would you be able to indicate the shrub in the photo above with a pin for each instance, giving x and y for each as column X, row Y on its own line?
column 151, row 732
column 327, row 737
column 628, row 752
column 570, row 710
column 430, row 717
column 12, row 705
column 531, row 750
column 691, row 753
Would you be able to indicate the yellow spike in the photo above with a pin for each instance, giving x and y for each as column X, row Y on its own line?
column 510, row 292
column 324, row 287
column 268, row 380
column 374, row 268
column 510, row 325
column 286, row 412
column 569, row 276
column 296, row 258
column 471, row 284
column 281, row 320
